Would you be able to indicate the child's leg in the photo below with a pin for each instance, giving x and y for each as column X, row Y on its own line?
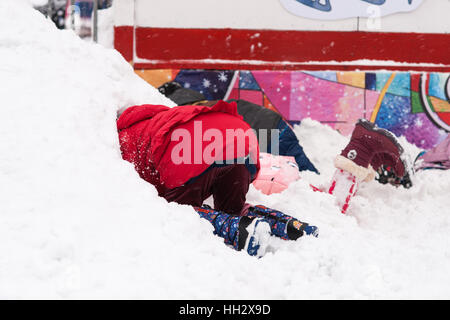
column 283, row 225
column 343, row 187
column 228, row 185
column 230, row 188
column 369, row 149
column 225, row 225
column 252, row 232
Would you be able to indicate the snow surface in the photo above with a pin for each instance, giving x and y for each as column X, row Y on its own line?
column 77, row 222
column 105, row 33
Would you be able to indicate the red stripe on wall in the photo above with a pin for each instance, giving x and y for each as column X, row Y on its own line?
column 123, row 41
column 274, row 66
column 268, row 48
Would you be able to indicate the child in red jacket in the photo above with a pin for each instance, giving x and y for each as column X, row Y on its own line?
column 172, row 149
column 190, row 153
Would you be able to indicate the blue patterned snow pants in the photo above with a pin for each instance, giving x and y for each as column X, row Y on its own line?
column 232, row 228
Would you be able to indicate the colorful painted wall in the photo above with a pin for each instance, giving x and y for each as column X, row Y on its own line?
column 413, row 105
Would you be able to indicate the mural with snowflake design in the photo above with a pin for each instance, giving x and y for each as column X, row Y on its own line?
column 413, row 105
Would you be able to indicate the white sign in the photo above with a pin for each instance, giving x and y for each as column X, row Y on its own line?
column 343, row 9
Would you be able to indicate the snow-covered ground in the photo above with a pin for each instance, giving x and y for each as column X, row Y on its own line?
column 76, row 221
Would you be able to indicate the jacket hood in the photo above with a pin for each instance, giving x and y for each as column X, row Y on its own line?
column 136, row 114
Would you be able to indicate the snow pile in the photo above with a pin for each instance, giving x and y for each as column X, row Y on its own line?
column 76, row 221
column 106, row 27
column 38, row 3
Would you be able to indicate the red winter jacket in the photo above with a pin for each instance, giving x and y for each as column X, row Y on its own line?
column 145, row 133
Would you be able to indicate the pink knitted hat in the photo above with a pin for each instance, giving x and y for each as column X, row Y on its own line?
column 276, row 173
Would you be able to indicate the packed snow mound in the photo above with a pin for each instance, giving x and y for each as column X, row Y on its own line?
column 76, row 221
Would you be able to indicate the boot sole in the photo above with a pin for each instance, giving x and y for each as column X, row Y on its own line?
column 259, row 232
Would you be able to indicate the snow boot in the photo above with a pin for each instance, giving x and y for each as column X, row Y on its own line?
column 369, row 148
column 239, row 232
column 387, row 175
column 282, row 225
column 258, row 237
column 252, row 232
